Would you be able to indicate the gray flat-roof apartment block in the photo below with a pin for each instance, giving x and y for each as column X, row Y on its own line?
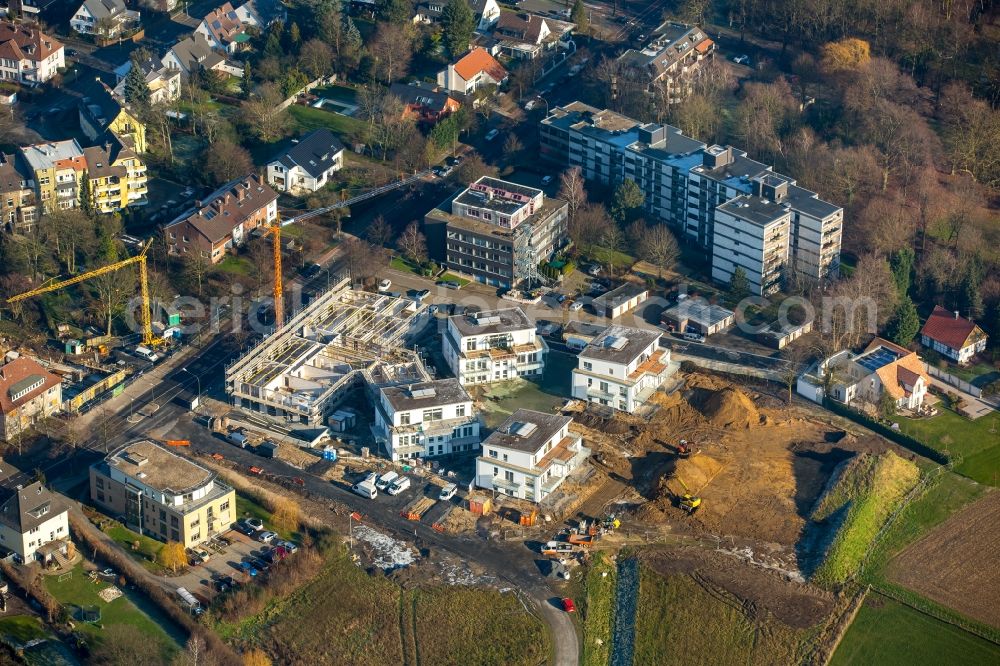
column 498, row 232
column 685, row 180
column 751, row 233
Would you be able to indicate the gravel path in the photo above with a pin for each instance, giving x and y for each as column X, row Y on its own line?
column 626, row 595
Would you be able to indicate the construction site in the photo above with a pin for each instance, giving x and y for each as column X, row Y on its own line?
column 343, row 339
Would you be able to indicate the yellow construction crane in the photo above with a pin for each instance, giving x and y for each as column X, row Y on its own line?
column 279, row 291
column 146, row 315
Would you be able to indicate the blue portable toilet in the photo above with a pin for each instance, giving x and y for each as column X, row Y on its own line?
column 330, row 453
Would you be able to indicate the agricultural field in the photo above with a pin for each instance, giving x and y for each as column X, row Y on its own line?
column 958, row 564
column 362, row 619
column 691, row 614
column 887, row 633
column 865, row 494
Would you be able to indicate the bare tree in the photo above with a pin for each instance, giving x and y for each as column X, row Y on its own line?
column 572, row 190
column 379, row 232
column 413, row 244
column 659, row 247
column 226, row 160
column 264, row 115
column 392, row 49
column 316, row 58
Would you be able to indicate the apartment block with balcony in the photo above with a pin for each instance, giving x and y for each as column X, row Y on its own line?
column 497, row 232
column 18, row 210
column 621, row 368
column 530, row 455
column 671, row 59
column 163, row 495
column 493, row 346
column 425, row 419
column 685, row 181
column 751, row 233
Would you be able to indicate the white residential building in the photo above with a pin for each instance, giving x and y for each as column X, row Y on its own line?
column 425, row 419
column 164, row 82
column 529, row 455
column 33, row 524
column 493, row 346
column 486, row 12
column 621, row 368
column 476, row 69
column 28, row 55
column 307, row 165
column 104, row 18
column 685, row 182
column 751, row 233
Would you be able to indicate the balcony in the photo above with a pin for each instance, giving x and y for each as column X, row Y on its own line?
column 512, row 486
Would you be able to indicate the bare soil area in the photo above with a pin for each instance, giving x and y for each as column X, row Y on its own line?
column 795, row 604
column 958, row 564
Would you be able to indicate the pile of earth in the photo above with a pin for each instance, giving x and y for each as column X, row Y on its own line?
column 730, row 408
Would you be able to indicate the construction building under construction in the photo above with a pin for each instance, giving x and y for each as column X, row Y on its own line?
column 344, row 339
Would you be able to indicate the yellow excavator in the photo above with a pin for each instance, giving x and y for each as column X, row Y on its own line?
column 687, row 501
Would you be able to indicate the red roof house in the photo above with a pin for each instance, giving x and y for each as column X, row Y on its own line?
column 953, row 336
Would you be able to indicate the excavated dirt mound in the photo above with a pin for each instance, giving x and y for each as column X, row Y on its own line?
column 698, row 471
column 730, row 408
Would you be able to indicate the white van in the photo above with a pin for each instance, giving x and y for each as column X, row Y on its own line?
column 365, row 489
column 448, row 492
column 399, row 485
column 386, row 479
column 147, row 353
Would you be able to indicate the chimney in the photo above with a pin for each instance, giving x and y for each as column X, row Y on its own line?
column 197, row 204
column 956, row 314
column 260, row 178
column 225, row 200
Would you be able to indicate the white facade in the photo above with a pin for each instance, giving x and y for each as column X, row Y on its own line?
column 621, row 368
column 31, row 72
column 488, row 12
column 25, row 545
column 31, row 518
column 758, row 246
column 296, row 179
column 882, row 367
column 106, row 18
column 961, row 356
column 529, row 456
column 425, row 420
column 480, row 350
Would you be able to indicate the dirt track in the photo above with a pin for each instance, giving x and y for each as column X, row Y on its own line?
column 958, row 564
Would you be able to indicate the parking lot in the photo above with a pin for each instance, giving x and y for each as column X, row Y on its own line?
column 199, row 579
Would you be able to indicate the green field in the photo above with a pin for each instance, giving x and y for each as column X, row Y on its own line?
column 677, row 621
column 146, row 552
column 455, row 278
column 248, row 508
column 862, row 499
column 886, row 633
column 972, row 441
column 543, row 395
column 21, row 629
column 357, row 619
column 306, row 119
column 598, row 611
column 233, row 265
column 79, row 590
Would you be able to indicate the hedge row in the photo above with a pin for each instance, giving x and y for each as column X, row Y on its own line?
column 896, row 436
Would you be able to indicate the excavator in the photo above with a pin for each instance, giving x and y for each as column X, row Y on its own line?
column 687, row 501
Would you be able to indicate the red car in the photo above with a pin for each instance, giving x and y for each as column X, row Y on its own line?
column 568, row 605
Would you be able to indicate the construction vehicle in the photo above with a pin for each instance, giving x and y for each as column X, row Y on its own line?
column 683, row 449
column 585, row 540
column 146, row 314
column 177, row 442
column 687, row 501
column 610, row 523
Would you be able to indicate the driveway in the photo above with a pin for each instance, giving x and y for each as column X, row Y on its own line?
column 974, row 407
column 198, row 579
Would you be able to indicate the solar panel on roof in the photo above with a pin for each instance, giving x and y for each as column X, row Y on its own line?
column 423, row 393
column 523, row 429
column 616, row 342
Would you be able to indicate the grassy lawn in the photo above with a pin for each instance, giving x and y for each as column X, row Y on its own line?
column 544, row 395
column 598, row 613
column 401, row 264
column 888, row 633
column 339, row 93
column 248, row 508
column 234, row 265
column 455, row 278
column 675, row 616
column 979, row 374
column 467, row 625
column 306, row 119
column 978, row 448
column 146, row 552
column 620, row 260
column 80, row 591
column 22, row 628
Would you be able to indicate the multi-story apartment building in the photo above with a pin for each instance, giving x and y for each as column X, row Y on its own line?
column 56, row 168
column 224, row 219
column 671, row 59
column 161, row 494
column 17, row 195
column 751, row 233
column 621, row 368
column 529, row 455
column 685, row 181
column 493, row 346
column 425, row 419
column 116, row 176
column 28, row 394
column 27, row 55
column 103, row 18
column 498, row 232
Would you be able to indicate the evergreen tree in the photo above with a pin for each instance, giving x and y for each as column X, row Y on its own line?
column 395, row 11
column 272, row 47
column 739, row 284
column 246, row 82
column 901, row 263
column 294, row 36
column 459, row 24
column 136, row 89
column 86, row 196
column 905, row 324
column 971, row 298
column 578, row 15
column 351, row 33
column 628, row 199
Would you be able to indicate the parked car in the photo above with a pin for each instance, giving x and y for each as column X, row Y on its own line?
column 568, row 605
column 267, row 537
column 386, row 480
column 492, row 134
column 575, row 306
column 384, row 284
column 246, row 568
column 289, row 546
column 693, row 336
column 202, row 553
column 224, row 584
column 432, row 309
column 742, row 60
column 448, row 492
column 454, row 161
column 450, row 284
column 594, row 270
column 546, row 180
column 255, row 523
